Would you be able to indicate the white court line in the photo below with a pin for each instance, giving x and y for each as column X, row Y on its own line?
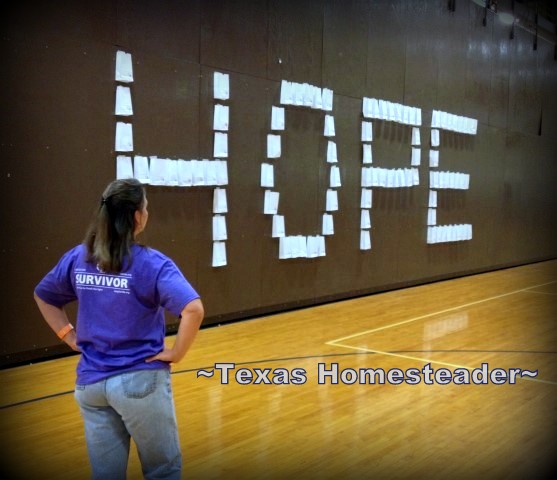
column 543, row 293
column 379, row 352
column 452, row 309
column 428, row 360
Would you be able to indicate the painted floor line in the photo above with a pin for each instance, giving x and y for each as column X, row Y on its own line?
column 427, row 360
column 421, row 317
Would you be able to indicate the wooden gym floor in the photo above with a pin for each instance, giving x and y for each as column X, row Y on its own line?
column 506, row 319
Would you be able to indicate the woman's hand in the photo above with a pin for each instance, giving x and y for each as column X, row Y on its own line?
column 191, row 318
column 70, row 339
column 167, row 355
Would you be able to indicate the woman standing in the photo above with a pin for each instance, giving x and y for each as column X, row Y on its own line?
column 123, row 376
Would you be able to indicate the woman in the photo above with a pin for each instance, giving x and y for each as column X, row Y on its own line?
column 123, row 376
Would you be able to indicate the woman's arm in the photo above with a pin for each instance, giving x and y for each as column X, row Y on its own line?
column 191, row 319
column 57, row 320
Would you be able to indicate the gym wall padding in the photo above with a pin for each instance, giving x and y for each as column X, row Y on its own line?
column 57, row 143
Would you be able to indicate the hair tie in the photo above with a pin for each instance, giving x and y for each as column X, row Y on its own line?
column 103, row 201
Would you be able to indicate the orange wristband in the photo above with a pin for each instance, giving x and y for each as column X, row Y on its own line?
column 64, row 331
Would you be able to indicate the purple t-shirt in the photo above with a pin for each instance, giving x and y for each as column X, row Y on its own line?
column 120, row 318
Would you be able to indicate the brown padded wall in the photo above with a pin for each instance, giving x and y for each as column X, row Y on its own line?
column 58, row 126
column 285, row 58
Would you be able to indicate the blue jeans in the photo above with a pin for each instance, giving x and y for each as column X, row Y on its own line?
column 137, row 404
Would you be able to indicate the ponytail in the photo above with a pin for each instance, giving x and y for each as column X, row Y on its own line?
column 111, row 233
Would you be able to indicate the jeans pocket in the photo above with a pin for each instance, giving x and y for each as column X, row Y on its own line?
column 78, row 393
column 139, row 384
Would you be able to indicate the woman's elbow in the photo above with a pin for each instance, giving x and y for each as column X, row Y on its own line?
column 195, row 309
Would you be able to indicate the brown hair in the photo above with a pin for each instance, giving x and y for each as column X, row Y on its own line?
column 111, row 233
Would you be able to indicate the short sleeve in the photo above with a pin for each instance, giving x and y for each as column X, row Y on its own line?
column 175, row 292
column 56, row 287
